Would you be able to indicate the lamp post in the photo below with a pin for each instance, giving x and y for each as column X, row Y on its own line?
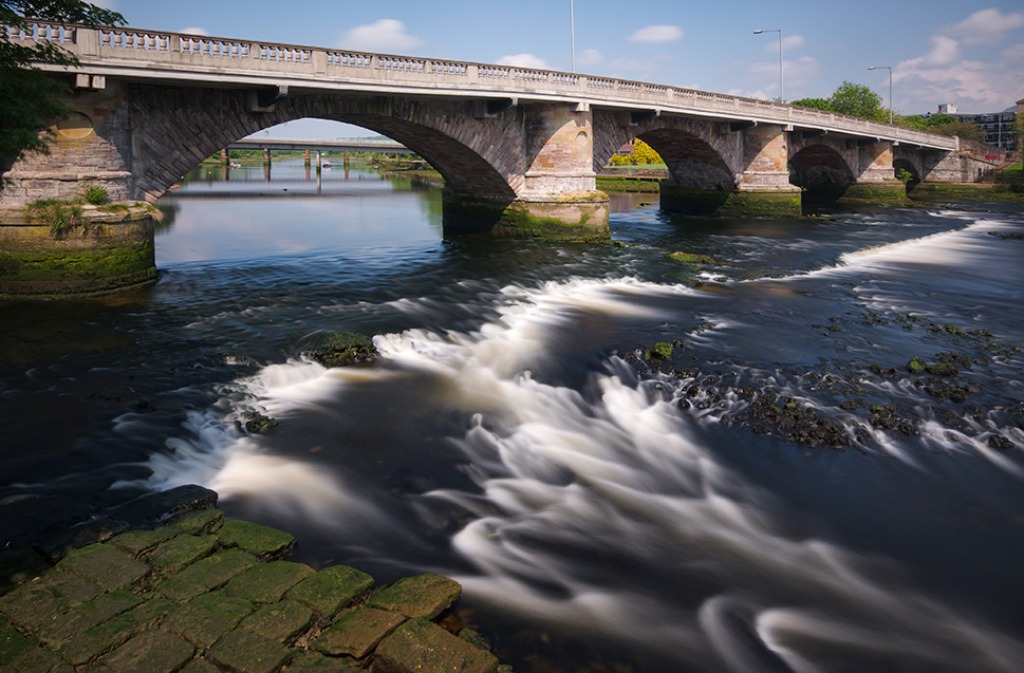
column 572, row 35
column 889, row 68
column 782, row 87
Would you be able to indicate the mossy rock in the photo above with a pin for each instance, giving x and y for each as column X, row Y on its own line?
column 662, row 350
column 917, row 365
column 692, row 258
column 339, row 349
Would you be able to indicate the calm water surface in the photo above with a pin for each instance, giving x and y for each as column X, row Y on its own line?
column 601, row 513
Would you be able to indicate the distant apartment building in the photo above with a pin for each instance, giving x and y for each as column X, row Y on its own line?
column 997, row 128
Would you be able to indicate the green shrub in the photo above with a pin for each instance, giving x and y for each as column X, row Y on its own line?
column 96, row 195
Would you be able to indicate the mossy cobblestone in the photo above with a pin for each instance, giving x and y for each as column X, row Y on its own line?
column 197, row 595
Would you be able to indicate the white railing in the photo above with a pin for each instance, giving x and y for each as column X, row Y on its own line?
column 192, row 53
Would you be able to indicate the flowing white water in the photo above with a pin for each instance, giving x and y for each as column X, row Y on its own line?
column 603, row 508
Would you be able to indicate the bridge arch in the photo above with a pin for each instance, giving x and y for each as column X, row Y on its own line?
column 174, row 129
column 821, row 171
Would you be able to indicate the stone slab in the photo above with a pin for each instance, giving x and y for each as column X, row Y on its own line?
column 13, row 642
column 83, row 647
column 205, row 619
column 65, row 625
column 178, row 552
column 332, row 589
column 267, row 582
column 356, row 632
column 106, row 565
column 420, row 645
column 206, row 574
column 198, row 523
column 246, row 652
column 152, row 651
column 256, row 539
column 314, row 662
column 281, row 622
column 425, row 595
column 136, row 542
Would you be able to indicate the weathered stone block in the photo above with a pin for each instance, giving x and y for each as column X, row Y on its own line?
column 314, row 662
column 420, row 645
column 256, row 539
column 331, row 589
column 357, row 632
column 36, row 604
column 13, row 642
column 106, row 565
column 85, row 616
column 204, row 619
column 37, row 660
column 247, row 652
column 152, row 651
column 136, row 542
column 268, row 581
column 425, row 595
column 206, row 574
column 84, row 646
column 198, row 523
column 279, row 621
column 178, row 552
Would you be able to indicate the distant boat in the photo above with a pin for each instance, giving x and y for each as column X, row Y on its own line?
column 326, row 164
column 235, row 164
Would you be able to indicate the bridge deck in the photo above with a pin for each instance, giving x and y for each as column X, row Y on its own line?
column 155, row 55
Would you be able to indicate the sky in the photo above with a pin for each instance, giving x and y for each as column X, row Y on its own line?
column 969, row 53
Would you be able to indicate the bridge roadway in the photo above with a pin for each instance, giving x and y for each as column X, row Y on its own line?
column 279, row 69
column 519, row 148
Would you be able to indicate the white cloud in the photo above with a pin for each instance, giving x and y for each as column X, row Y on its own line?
column 385, row 35
column 987, row 25
column 523, row 61
column 589, row 57
column 791, row 42
column 659, row 33
column 192, row 30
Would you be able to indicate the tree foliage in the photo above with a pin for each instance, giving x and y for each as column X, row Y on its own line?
column 851, row 99
column 858, row 100
column 815, row 103
column 641, row 155
column 29, row 98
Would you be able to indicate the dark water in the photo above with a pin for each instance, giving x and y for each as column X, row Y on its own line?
column 602, row 514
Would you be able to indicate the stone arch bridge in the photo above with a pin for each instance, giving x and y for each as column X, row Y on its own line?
column 519, row 148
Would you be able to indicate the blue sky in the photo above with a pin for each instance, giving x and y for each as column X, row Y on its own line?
column 968, row 53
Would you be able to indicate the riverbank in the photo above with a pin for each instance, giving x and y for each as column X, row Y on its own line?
column 199, row 594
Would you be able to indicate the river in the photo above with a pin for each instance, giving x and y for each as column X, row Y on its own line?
column 779, row 494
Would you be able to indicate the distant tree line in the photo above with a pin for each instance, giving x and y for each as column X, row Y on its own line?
column 857, row 100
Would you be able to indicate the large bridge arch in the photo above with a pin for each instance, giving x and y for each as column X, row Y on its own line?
column 174, row 129
column 821, row 171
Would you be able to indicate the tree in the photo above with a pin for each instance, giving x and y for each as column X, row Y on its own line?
column 858, row 100
column 815, row 103
column 29, row 98
column 955, row 127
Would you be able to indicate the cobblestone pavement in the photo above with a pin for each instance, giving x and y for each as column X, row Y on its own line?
column 201, row 595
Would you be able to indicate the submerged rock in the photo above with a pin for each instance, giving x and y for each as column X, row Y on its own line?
column 339, row 349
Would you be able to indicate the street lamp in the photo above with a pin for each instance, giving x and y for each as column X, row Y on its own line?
column 572, row 35
column 782, row 88
column 889, row 68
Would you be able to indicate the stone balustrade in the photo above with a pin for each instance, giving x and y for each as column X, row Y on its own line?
column 110, row 51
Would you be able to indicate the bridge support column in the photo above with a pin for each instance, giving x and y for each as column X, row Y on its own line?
column 557, row 197
column 758, row 160
column 877, row 181
column 764, row 187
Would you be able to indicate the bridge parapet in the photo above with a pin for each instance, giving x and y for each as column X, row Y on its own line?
column 113, row 51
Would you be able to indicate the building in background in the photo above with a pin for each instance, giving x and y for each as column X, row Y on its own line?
column 997, row 128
